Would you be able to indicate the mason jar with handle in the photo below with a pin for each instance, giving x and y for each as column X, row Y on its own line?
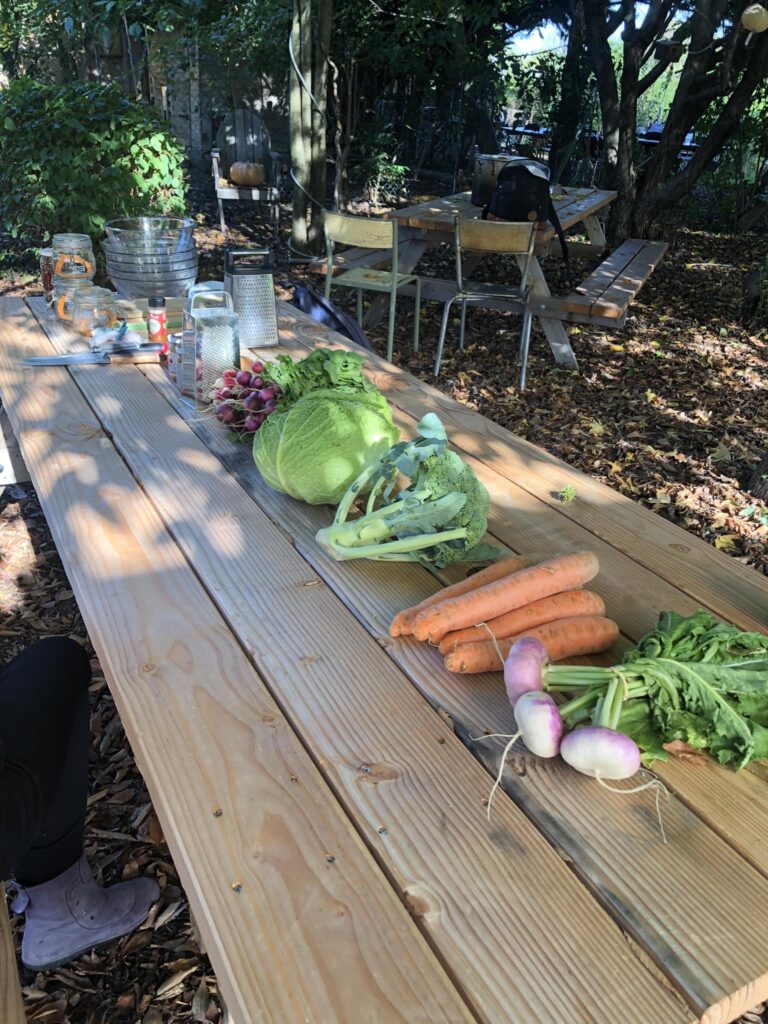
column 92, row 308
column 73, row 257
column 64, row 293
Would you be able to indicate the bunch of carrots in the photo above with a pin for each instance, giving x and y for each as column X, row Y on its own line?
column 475, row 622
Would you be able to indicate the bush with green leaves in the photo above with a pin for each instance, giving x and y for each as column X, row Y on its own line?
column 74, row 156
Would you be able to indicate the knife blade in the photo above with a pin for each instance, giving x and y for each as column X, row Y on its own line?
column 87, row 358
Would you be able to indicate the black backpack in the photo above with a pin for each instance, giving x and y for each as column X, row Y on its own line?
column 522, row 193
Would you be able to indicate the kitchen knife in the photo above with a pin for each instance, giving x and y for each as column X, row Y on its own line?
column 87, row 358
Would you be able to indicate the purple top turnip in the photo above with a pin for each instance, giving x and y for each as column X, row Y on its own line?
column 523, row 667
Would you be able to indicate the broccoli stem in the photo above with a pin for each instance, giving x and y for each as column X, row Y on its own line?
column 335, row 546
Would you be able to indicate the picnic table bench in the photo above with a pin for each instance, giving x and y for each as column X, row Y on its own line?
column 321, row 785
column 603, row 298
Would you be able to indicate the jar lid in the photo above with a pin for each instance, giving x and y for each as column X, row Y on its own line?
column 157, row 301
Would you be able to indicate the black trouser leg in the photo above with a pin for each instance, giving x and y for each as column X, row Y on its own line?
column 44, row 726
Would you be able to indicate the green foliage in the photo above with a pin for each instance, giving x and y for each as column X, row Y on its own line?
column 74, row 156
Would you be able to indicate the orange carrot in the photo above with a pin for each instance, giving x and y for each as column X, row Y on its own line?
column 401, row 624
column 568, row 605
column 515, row 591
column 565, row 638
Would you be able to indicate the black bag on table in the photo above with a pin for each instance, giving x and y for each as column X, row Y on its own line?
column 522, row 194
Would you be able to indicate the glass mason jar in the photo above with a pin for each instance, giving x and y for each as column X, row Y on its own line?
column 64, row 294
column 46, row 273
column 73, row 256
column 92, row 308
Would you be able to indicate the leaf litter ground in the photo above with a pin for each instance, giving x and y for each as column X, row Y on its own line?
column 670, row 411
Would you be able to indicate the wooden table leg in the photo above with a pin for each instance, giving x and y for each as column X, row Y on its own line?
column 11, row 1003
column 553, row 329
column 595, row 231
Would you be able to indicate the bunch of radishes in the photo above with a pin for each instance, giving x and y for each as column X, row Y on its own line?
column 599, row 749
column 242, row 399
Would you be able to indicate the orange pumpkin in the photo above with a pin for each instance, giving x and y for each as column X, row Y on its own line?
column 243, row 173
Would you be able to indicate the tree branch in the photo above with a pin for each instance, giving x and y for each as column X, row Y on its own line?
column 724, row 127
column 655, row 73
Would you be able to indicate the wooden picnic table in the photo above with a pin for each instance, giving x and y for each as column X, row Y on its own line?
column 320, row 784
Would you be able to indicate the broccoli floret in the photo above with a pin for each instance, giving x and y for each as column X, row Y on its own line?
column 438, row 519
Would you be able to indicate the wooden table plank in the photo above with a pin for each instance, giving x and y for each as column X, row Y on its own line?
column 617, row 297
column 475, row 714
column 600, row 278
column 280, row 877
column 11, row 1005
column 12, row 468
column 375, row 591
column 386, row 753
column 575, row 206
column 712, row 579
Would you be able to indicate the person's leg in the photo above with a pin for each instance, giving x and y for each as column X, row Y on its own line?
column 44, row 722
column 44, row 725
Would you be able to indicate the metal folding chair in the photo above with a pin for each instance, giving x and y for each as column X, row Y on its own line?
column 370, row 233
column 503, row 237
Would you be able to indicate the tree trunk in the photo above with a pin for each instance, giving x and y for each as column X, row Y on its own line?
column 301, row 120
column 317, row 171
column 568, row 119
column 657, row 196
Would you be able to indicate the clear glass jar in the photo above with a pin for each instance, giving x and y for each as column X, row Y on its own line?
column 64, row 294
column 73, row 257
column 92, row 308
column 46, row 273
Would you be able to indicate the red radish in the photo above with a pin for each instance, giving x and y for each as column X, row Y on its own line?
column 243, row 378
column 227, row 393
column 252, row 423
column 523, row 667
column 601, row 752
column 252, row 402
column 266, row 394
column 257, row 366
column 257, row 382
column 226, row 413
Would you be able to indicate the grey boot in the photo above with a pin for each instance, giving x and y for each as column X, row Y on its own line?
column 71, row 914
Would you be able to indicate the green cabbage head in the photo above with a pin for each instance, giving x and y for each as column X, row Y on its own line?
column 317, row 446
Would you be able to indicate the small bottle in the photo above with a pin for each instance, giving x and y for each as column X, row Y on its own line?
column 157, row 325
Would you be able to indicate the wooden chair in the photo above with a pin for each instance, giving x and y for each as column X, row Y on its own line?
column 244, row 137
column 485, row 237
column 11, row 1003
column 369, row 233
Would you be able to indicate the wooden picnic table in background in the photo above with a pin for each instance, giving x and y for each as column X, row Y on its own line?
column 603, row 297
column 321, row 785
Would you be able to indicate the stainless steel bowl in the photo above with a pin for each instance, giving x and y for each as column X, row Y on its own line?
column 131, row 232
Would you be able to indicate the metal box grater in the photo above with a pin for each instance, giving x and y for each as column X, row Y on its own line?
column 209, row 344
column 248, row 279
